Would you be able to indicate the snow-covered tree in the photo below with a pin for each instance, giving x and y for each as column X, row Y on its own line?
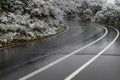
column 117, row 2
column 109, row 15
column 87, row 15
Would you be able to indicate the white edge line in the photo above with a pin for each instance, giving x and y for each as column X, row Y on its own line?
column 91, row 60
column 63, row 58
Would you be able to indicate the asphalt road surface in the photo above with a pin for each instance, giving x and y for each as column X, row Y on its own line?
column 85, row 51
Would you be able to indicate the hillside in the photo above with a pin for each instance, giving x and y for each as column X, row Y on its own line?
column 25, row 20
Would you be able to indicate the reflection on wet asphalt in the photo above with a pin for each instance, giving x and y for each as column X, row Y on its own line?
column 40, row 53
column 75, row 36
column 69, row 65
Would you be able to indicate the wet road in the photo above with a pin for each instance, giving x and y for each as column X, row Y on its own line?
column 15, row 63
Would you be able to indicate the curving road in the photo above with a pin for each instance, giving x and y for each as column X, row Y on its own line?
column 83, row 52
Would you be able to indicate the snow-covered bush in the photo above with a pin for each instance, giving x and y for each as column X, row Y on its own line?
column 7, row 38
column 117, row 2
column 109, row 15
column 23, row 20
column 30, row 19
column 86, row 9
column 12, row 5
column 3, row 29
column 87, row 16
column 69, row 7
column 37, row 8
column 91, row 10
column 56, row 13
column 39, row 26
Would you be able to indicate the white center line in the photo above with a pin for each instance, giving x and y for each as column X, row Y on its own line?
column 63, row 58
column 71, row 76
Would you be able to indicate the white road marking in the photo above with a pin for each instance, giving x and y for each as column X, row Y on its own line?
column 71, row 76
column 63, row 58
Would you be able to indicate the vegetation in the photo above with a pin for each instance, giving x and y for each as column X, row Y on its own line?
column 24, row 20
column 92, row 10
column 31, row 19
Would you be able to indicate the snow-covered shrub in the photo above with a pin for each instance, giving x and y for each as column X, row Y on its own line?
column 31, row 34
column 7, row 38
column 51, row 31
column 87, row 16
column 69, row 7
column 3, row 29
column 95, row 7
column 117, row 2
column 37, row 8
column 31, row 19
column 86, row 9
column 109, row 15
column 23, row 20
column 12, row 5
column 53, row 22
column 40, row 26
column 11, row 27
column 56, row 13
column 22, row 30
